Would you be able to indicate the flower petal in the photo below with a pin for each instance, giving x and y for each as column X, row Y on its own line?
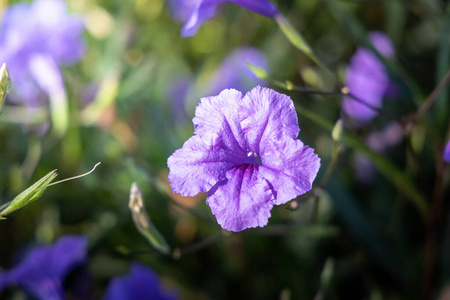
column 206, row 9
column 199, row 165
column 367, row 79
column 289, row 166
column 446, row 155
column 42, row 273
column 241, row 201
column 382, row 43
column 266, row 114
column 140, row 283
column 219, row 115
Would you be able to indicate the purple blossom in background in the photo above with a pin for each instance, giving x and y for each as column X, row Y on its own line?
column 206, row 9
column 446, row 155
column 35, row 39
column 141, row 283
column 245, row 154
column 235, row 74
column 367, row 79
column 178, row 92
column 380, row 142
column 43, row 271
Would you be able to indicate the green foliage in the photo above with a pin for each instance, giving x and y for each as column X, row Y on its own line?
column 28, row 196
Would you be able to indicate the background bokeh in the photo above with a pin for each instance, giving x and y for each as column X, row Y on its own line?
column 131, row 101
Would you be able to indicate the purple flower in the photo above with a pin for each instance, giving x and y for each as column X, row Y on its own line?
column 245, row 154
column 177, row 93
column 42, row 272
column 141, row 283
column 206, row 9
column 235, row 74
column 35, row 39
column 367, row 79
column 379, row 142
column 446, row 156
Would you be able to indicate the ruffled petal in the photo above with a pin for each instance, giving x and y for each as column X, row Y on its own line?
column 243, row 200
column 267, row 115
column 289, row 166
column 219, row 115
column 199, row 165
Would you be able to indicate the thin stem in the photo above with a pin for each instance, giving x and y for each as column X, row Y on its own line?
column 379, row 110
column 432, row 226
column 343, row 92
column 75, row 177
column 431, row 98
column 178, row 252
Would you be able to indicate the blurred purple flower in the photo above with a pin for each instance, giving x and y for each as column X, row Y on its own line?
column 206, row 9
column 178, row 93
column 380, row 142
column 235, row 74
column 367, row 79
column 141, row 283
column 35, row 39
column 43, row 271
column 446, row 155
column 245, row 154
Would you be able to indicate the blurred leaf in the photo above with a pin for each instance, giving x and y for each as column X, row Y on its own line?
column 28, row 196
column 106, row 95
column 143, row 222
column 287, row 85
column 5, row 84
column 325, row 278
column 400, row 179
column 337, row 131
column 259, row 72
column 396, row 12
column 441, row 107
column 299, row 41
column 359, row 224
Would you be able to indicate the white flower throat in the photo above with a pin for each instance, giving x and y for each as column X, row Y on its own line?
column 254, row 158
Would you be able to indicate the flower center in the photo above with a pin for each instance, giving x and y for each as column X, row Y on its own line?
column 254, row 159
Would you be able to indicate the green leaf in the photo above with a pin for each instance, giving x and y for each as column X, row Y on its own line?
column 299, row 42
column 5, row 84
column 259, row 72
column 295, row 37
column 105, row 97
column 143, row 222
column 400, row 179
column 28, row 196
